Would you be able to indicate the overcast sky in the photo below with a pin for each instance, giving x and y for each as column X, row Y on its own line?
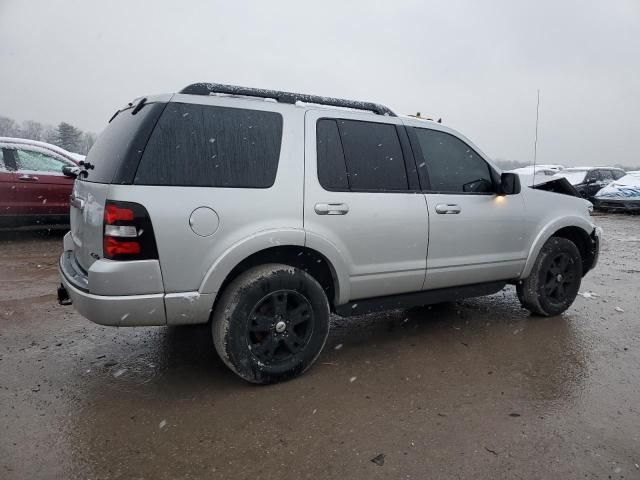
column 475, row 64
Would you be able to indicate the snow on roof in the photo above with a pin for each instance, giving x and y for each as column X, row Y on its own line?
column 41, row 147
column 591, row 167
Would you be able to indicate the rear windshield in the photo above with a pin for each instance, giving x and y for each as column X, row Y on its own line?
column 208, row 146
column 117, row 151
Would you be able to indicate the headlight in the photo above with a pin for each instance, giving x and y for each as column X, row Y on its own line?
column 589, row 206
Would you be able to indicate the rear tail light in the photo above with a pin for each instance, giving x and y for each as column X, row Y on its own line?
column 128, row 232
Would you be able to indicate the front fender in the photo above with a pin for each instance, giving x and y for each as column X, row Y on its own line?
column 547, row 232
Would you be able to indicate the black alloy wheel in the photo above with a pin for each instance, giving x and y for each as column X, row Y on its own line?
column 280, row 326
column 560, row 276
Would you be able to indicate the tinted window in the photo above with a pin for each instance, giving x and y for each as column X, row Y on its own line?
column 371, row 154
column 617, row 174
column 38, row 162
column 360, row 156
column 451, row 164
column 117, row 151
column 332, row 170
column 593, row 176
column 206, row 146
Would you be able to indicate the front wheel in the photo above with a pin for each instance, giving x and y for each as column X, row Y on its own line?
column 555, row 279
column 271, row 323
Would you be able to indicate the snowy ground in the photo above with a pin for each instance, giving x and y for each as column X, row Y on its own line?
column 475, row 389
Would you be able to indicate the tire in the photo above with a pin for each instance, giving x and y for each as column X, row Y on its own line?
column 271, row 323
column 555, row 279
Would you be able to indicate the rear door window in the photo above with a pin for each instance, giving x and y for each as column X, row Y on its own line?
column 360, row 156
column 451, row 165
column 209, row 146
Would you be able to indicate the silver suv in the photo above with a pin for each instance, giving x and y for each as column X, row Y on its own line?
column 262, row 212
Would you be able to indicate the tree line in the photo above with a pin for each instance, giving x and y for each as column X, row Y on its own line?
column 513, row 164
column 64, row 135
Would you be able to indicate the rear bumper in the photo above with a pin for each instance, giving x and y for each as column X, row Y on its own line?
column 112, row 310
column 99, row 294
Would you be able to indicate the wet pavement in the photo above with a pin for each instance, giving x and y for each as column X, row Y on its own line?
column 473, row 389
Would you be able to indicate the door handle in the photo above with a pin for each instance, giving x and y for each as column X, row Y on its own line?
column 448, row 208
column 331, row 208
column 28, row 178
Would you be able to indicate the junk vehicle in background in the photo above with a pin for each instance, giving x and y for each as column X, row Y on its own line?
column 261, row 212
column 621, row 195
column 589, row 180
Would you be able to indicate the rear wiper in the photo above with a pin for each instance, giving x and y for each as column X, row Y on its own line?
column 139, row 106
column 114, row 116
column 135, row 110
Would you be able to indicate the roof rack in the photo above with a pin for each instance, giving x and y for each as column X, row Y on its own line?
column 284, row 97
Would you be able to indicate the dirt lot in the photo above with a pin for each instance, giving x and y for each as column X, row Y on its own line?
column 475, row 389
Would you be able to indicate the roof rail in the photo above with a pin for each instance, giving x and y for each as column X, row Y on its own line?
column 284, row 97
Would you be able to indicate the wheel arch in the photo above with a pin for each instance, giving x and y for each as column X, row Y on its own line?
column 576, row 229
column 288, row 250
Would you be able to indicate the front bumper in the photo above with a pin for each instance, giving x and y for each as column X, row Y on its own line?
column 595, row 245
column 627, row 205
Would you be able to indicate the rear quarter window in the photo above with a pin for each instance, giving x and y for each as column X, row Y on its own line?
column 209, row 146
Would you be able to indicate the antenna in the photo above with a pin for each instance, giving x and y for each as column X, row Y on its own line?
column 535, row 143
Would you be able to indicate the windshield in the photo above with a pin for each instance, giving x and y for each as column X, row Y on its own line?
column 574, row 177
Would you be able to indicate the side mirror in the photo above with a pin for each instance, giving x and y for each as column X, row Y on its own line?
column 509, row 184
column 69, row 171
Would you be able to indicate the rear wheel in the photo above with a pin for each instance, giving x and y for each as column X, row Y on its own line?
column 271, row 323
column 555, row 279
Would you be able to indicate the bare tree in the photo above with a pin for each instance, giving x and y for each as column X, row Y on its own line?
column 88, row 139
column 50, row 134
column 32, row 130
column 509, row 164
column 8, row 127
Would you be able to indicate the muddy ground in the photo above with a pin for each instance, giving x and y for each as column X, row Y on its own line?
column 474, row 389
